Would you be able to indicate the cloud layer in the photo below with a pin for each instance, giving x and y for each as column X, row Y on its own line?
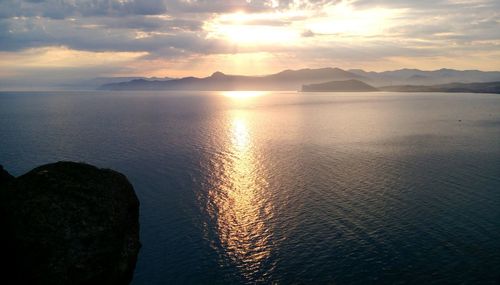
column 179, row 37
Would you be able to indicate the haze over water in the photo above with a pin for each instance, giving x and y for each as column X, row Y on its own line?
column 285, row 187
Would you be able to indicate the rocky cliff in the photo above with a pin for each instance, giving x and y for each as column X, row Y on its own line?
column 68, row 223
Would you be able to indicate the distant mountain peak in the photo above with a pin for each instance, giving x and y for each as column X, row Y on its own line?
column 351, row 85
column 217, row 74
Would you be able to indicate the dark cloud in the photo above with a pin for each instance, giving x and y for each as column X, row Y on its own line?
column 111, row 25
column 60, row 9
column 145, row 24
column 218, row 6
column 91, row 36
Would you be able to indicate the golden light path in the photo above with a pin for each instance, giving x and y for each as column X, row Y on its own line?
column 239, row 204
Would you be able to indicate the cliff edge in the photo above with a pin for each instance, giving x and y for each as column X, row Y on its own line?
column 68, row 223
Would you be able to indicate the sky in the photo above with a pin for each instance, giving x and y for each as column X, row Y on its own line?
column 43, row 40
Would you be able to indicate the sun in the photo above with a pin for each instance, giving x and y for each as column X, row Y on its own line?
column 251, row 29
column 338, row 22
column 255, row 35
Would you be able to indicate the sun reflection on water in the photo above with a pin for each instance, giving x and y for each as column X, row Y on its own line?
column 238, row 205
column 242, row 95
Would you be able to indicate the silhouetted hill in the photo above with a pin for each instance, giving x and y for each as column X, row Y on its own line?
column 94, row 83
column 294, row 79
column 352, row 85
column 320, row 74
column 285, row 80
column 421, row 77
column 478, row 87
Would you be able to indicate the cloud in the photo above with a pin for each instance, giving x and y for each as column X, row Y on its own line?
column 61, row 9
column 352, row 32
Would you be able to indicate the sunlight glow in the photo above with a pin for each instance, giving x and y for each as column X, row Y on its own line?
column 285, row 28
column 344, row 19
column 253, row 29
column 241, row 137
column 256, row 35
column 242, row 95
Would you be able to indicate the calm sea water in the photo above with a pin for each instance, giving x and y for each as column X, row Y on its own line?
column 290, row 188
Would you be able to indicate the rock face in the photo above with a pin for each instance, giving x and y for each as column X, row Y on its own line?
column 69, row 223
column 5, row 176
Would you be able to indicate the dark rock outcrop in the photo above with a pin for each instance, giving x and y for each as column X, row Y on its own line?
column 69, row 223
column 5, row 177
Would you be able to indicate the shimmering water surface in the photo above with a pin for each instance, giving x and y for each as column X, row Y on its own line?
column 290, row 188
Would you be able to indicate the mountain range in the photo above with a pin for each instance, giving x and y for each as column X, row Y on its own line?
column 351, row 85
column 354, row 85
column 476, row 87
column 96, row 83
column 285, row 80
column 295, row 79
column 420, row 77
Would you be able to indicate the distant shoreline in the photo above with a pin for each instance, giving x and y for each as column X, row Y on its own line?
column 328, row 79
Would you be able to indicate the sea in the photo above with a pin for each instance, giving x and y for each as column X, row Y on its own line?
column 249, row 187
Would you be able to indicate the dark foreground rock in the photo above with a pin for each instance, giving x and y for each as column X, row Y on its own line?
column 68, row 223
